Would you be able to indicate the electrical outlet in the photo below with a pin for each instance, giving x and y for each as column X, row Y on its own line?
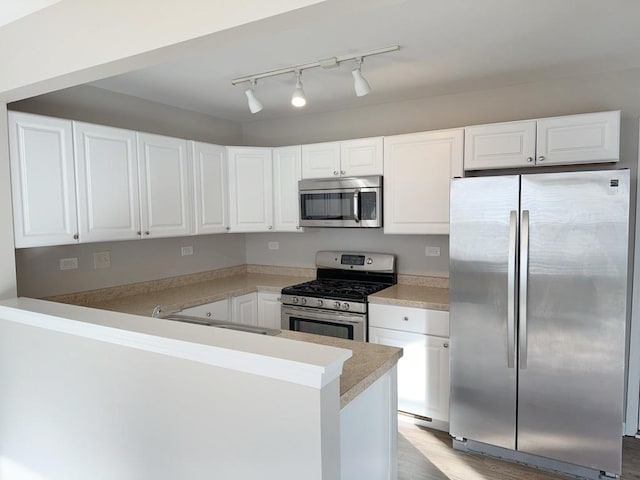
column 184, row 251
column 102, row 259
column 432, row 251
column 69, row 263
column 274, row 245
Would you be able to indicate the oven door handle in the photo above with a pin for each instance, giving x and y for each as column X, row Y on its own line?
column 316, row 314
column 356, row 206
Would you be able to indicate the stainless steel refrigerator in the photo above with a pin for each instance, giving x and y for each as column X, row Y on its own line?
column 538, row 287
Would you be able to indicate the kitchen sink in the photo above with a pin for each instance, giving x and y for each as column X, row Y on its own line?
column 208, row 322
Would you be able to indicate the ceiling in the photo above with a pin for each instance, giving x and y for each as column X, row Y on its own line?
column 447, row 46
column 12, row 10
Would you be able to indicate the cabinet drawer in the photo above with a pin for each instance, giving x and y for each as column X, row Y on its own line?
column 409, row 319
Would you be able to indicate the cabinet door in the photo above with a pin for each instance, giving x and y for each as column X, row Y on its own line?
column 423, row 371
column 588, row 138
column 250, row 189
column 321, row 160
column 500, row 145
column 244, row 309
column 215, row 310
column 361, row 157
column 42, row 178
column 286, row 203
column 417, row 172
column 165, row 199
column 209, row 188
column 107, row 181
column 269, row 310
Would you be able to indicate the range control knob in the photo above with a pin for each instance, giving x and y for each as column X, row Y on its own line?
column 295, row 300
column 369, row 261
column 303, row 301
column 346, row 306
column 336, row 304
column 319, row 302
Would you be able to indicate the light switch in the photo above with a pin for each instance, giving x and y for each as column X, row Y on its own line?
column 186, row 251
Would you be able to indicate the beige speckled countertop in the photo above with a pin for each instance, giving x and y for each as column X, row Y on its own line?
column 368, row 363
column 177, row 293
column 433, row 297
column 177, row 298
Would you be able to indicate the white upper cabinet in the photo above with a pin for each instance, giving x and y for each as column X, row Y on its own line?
column 587, row 138
column 501, row 145
column 43, row 183
column 107, row 183
column 286, row 203
column 164, row 186
column 321, row 160
column 360, row 157
column 210, row 188
column 250, row 189
column 417, row 171
column 570, row 139
column 343, row 159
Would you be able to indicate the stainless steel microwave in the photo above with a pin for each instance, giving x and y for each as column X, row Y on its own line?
column 341, row 202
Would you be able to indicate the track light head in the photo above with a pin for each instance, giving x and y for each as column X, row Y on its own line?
column 254, row 104
column 359, row 83
column 298, row 99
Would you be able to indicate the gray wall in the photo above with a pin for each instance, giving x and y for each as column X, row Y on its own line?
column 96, row 105
column 299, row 249
column 38, row 272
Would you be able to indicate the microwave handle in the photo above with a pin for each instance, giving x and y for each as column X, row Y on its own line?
column 356, row 206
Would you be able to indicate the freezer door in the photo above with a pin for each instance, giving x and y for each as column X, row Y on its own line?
column 484, row 213
column 572, row 318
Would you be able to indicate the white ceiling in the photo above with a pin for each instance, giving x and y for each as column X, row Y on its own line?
column 12, row 10
column 447, row 46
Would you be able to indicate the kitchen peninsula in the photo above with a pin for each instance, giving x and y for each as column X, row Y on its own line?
column 150, row 398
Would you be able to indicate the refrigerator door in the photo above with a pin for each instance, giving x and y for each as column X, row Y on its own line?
column 483, row 234
column 572, row 318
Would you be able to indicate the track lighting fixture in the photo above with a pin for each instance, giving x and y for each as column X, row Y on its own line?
column 298, row 98
column 254, row 104
column 359, row 83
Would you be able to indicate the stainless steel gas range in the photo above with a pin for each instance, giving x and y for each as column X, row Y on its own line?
column 335, row 303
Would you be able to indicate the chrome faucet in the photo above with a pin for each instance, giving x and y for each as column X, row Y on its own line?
column 157, row 310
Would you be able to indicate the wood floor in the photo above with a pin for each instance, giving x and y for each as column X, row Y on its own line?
column 425, row 454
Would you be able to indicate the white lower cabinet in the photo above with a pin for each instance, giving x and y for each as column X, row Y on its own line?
column 215, row 310
column 423, row 371
column 244, row 309
column 269, row 315
column 255, row 308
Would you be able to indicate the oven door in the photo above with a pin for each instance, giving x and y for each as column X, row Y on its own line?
column 344, row 207
column 325, row 322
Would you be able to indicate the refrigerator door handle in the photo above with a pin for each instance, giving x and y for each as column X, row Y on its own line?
column 511, row 289
column 522, row 299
